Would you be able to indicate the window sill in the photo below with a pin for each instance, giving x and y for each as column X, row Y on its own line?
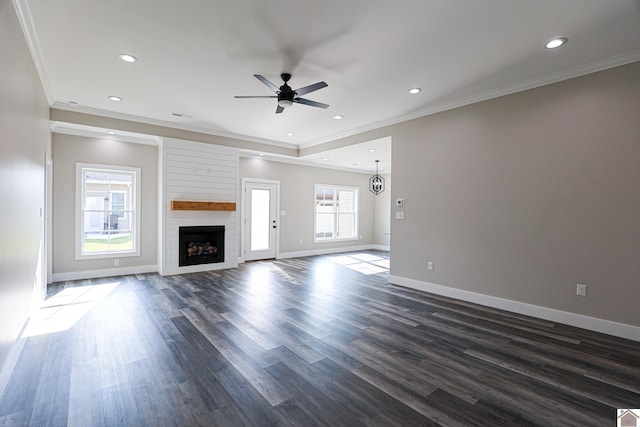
column 346, row 239
column 107, row 255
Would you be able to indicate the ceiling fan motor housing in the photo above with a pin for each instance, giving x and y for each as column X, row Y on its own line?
column 286, row 95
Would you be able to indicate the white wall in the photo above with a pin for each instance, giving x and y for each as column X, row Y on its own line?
column 194, row 171
column 382, row 210
column 24, row 145
column 69, row 150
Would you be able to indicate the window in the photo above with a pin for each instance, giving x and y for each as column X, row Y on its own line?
column 107, row 211
column 336, row 213
column 117, row 200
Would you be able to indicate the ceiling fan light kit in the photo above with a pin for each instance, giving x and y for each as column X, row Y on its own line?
column 286, row 96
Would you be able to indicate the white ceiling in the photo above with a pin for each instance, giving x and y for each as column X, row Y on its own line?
column 195, row 55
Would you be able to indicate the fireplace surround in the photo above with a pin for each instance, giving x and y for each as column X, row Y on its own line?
column 201, row 245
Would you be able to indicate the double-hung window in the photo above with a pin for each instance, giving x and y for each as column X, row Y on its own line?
column 336, row 213
column 107, row 205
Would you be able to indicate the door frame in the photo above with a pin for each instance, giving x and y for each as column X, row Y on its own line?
column 243, row 215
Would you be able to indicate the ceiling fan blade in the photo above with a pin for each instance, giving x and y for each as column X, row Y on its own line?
column 305, row 90
column 310, row 102
column 267, row 83
column 279, row 109
column 250, row 96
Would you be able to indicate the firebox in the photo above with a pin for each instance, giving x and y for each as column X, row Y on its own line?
column 201, row 245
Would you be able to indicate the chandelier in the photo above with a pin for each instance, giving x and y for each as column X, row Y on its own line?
column 376, row 182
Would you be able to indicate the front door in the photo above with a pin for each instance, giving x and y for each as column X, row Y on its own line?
column 261, row 221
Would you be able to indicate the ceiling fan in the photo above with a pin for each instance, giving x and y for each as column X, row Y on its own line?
column 287, row 96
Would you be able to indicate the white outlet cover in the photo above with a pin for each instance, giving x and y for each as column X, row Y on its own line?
column 581, row 290
column 399, row 215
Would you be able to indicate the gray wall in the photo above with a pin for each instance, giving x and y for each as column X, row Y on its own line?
column 382, row 224
column 524, row 196
column 67, row 151
column 296, row 198
column 24, row 141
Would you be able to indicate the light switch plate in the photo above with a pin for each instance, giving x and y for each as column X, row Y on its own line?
column 399, row 215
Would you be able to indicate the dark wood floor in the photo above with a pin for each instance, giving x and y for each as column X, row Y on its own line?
column 303, row 342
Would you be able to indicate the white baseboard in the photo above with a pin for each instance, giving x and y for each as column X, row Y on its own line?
column 198, row 268
column 578, row 320
column 385, row 248
column 109, row 272
column 326, row 251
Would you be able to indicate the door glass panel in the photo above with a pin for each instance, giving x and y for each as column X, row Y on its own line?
column 260, row 226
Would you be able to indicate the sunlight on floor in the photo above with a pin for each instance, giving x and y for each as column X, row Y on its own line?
column 63, row 310
column 260, row 282
column 363, row 263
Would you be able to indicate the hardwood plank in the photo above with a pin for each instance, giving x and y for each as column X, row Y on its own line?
column 309, row 341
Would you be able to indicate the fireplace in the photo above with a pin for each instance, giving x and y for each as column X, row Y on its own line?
column 201, row 245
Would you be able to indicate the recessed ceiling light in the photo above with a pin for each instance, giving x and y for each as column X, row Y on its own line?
column 415, row 90
column 261, row 154
column 289, row 133
column 555, row 43
column 372, row 150
column 326, row 159
column 115, row 98
column 110, row 132
column 128, row 58
column 338, row 117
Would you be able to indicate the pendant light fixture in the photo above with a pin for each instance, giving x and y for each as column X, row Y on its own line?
column 376, row 182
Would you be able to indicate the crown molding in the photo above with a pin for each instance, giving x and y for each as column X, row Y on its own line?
column 249, row 154
column 172, row 125
column 100, row 133
column 590, row 68
column 31, row 36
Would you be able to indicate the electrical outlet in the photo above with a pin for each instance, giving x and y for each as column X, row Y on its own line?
column 116, row 263
column 581, row 290
column 300, row 240
column 429, row 265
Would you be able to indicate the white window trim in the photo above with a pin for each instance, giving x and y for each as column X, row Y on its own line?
column 79, row 221
column 356, row 236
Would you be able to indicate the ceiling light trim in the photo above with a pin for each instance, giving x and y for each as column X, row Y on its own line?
column 556, row 43
column 128, row 58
